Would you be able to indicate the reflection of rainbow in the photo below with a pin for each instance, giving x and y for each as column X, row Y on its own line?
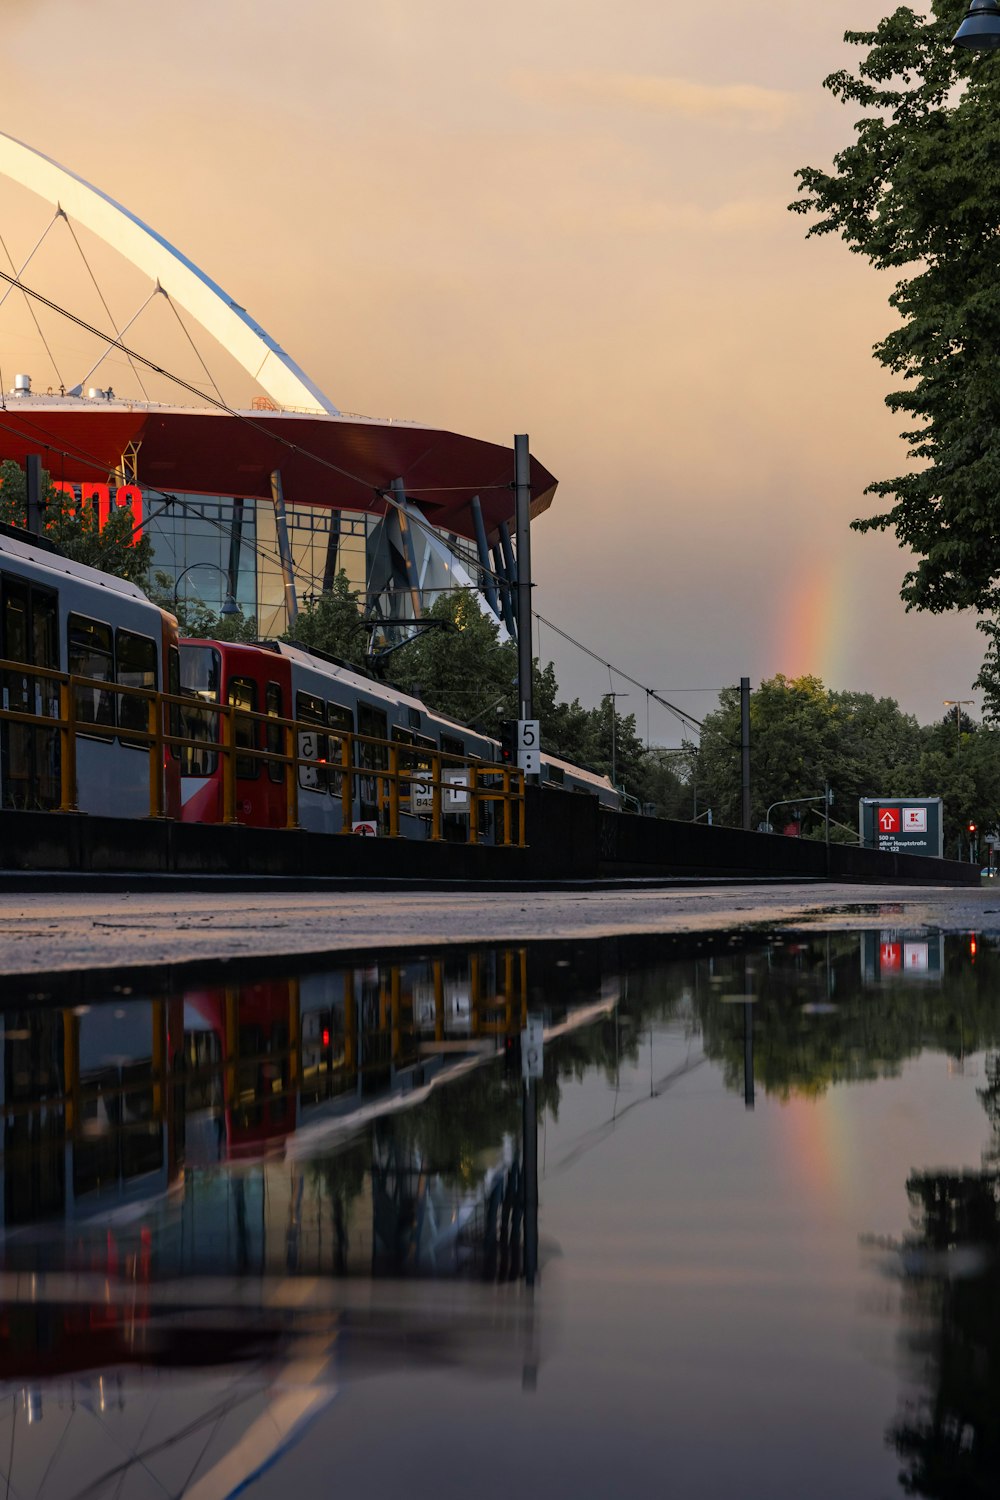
column 817, row 1132
column 812, row 633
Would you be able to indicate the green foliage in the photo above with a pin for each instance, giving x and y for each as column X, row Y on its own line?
column 462, row 670
column 332, row 622
column 919, row 192
column 801, row 736
column 73, row 528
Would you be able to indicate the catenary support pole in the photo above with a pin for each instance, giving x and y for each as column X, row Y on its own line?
column 284, row 548
column 522, row 493
column 745, row 746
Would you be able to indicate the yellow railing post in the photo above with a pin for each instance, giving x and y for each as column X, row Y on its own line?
column 507, row 809
column 436, row 797
column 473, row 775
column 67, row 748
column 291, row 781
column 224, row 718
column 346, row 785
column 394, row 791
column 155, row 725
column 521, row 840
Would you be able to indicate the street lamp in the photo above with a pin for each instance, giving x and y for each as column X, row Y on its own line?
column 958, row 704
column 229, row 605
column 980, row 30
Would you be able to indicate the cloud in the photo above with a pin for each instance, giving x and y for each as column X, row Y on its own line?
column 743, row 104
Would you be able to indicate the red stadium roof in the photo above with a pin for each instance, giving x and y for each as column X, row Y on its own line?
column 338, row 462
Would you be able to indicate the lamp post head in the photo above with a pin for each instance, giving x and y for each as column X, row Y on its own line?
column 229, row 606
column 980, row 30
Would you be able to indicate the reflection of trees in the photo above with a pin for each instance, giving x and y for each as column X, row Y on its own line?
column 816, row 1023
column 950, row 1439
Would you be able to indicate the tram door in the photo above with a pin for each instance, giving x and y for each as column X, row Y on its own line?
column 29, row 757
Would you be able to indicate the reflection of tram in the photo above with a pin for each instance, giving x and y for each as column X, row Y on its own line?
column 59, row 616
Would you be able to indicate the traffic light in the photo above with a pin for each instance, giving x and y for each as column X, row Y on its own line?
column 508, row 742
column 972, row 827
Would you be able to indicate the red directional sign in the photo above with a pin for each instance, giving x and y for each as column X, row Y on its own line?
column 888, row 820
column 891, row 958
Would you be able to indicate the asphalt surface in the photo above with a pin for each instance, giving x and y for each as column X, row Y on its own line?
column 80, row 931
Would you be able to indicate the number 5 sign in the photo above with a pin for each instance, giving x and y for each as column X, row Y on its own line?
column 528, row 751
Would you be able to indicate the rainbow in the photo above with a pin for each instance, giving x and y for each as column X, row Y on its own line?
column 812, row 622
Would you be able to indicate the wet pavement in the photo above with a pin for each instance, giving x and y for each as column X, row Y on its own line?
column 70, row 930
column 268, row 1234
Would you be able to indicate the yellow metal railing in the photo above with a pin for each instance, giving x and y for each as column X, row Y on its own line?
column 378, row 772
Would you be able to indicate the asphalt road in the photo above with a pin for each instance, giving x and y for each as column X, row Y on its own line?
column 42, row 933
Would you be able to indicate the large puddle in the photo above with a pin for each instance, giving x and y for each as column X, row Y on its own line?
column 271, row 1231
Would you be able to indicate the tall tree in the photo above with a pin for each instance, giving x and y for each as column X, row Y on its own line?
column 918, row 193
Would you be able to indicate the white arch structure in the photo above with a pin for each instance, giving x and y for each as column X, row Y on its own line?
column 264, row 359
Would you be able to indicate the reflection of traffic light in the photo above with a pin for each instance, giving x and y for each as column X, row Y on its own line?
column 512, row 1053
column 508, row 741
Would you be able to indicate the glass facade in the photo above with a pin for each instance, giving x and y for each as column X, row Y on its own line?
column 210, row 546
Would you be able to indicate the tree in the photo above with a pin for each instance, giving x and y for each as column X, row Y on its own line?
column 919, row 193
column 462, row 670
column 802, row 736
column 113, row 548
column 332, row 622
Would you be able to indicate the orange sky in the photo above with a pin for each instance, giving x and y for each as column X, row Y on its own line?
column 561, row 218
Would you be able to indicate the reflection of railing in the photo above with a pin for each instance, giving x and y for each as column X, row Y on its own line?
column 257, row 1086
column 451, row 783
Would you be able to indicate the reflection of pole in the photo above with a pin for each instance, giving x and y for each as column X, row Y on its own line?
column 748, row 1081
column 530, row 1177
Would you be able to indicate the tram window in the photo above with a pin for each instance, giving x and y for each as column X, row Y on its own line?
column 556, row 774
column 243, row 696
column 452, row 745
column 343, row 719
column 90, row 655
column 174, row 688
column 312, row 742
column 274, row 734
column 200, row 670
column 373, row 722
column 135, row 663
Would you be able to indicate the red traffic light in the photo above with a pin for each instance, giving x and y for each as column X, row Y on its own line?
column 326, row 1036
column 972, row 827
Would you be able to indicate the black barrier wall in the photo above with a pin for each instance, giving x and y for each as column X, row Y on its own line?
column 569, row 838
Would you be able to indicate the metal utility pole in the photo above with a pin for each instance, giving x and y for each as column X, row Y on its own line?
column 284, row 547
column 614, row 697
column 522, row 514
column 745, row 746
